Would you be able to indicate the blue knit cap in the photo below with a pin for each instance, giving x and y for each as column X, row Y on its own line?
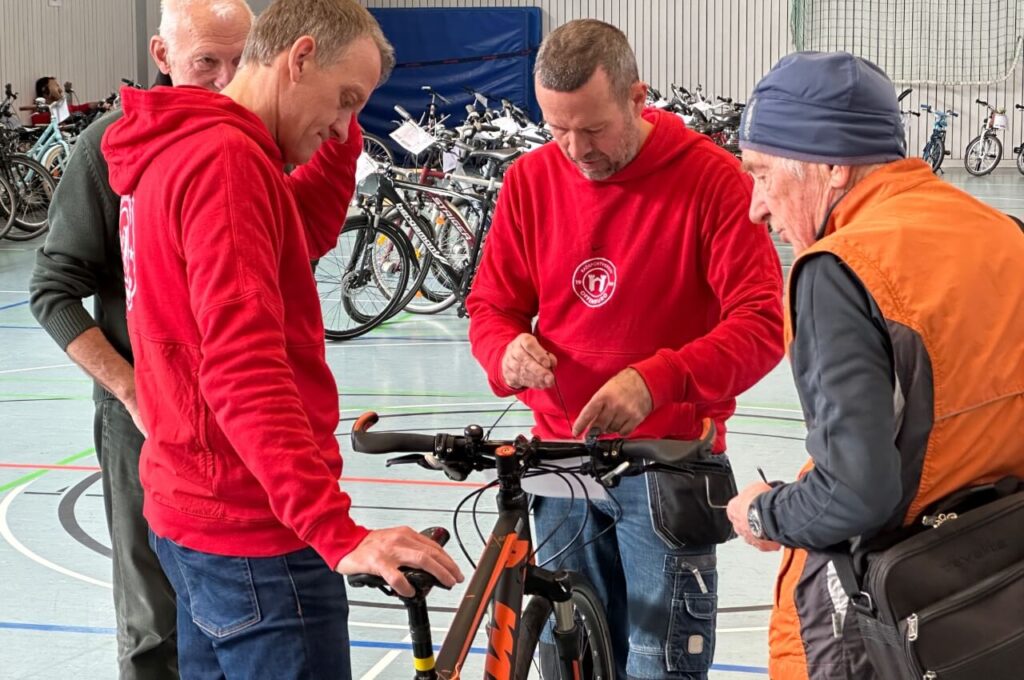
column 825, row 107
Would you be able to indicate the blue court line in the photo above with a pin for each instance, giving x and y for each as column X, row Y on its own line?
column 368, row 644
column 16, row 304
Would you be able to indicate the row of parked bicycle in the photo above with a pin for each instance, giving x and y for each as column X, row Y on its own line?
column 33, row 159
column 414, row 238
column 982, row 154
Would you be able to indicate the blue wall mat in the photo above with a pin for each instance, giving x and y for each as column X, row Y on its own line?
column 489, row 50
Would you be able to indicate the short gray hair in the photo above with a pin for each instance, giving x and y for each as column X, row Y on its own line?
column 333, row 24
column 571, row 54
column 176, row 15
column 798, row 169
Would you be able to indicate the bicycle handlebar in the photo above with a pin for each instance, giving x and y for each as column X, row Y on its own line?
column 1020, row 106
column 473, row 450
column 402, row 112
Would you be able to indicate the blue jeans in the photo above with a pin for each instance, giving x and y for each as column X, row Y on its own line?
column 661, row 601
column 280, row 617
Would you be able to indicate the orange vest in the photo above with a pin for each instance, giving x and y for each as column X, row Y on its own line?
column 951, row 269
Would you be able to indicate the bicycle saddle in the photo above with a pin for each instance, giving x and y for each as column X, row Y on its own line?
column 499, row 155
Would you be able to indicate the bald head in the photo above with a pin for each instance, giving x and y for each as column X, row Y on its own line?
column 200, row 42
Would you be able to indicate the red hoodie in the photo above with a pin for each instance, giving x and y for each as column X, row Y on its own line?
column 225, row 323
column 657, row 268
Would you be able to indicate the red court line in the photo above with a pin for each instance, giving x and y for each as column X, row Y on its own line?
column 356, row 480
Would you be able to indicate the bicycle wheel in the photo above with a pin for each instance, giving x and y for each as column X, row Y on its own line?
column 54, row 161
column 34, row 188
column 933, row 155
column 346, row 278
column 8, row 206
column 377, row 149
column 983, row 155
column 1020, row 159
column 595, row 644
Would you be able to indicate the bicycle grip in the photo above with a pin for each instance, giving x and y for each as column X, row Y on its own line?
column 402, row 112
column 364, row 441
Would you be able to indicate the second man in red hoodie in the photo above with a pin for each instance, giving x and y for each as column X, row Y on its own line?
column 623, row 288
column 240, row 467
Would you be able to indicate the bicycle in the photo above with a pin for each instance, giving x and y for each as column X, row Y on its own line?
column 905, row 117
column 445, row 240
column 935, row 150
column 1019, row 150
column 52, row 149
column 984, row 152
column 7, row 207
column 348, row 278
column 32, row 188
column 507, row 570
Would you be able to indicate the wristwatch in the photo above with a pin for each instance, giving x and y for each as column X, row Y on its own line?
column 754, row 520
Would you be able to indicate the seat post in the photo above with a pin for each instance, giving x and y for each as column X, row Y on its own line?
column 419, row 630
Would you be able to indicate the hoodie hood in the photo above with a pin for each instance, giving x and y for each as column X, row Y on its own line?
column 160, row 118
column 667, row 143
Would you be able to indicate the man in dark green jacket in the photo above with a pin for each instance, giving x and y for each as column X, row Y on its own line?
column 200, row 44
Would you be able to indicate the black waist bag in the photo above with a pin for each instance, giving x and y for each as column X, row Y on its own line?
column 944, row 599
column 688, row 501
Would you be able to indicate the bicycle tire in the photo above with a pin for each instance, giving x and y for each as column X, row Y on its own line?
column 423, row 264
column 347, row 272
column 933, row 154
column 377, row 149
column 596, row 646
column 8, row 206
column 1020, row 159
column 34, row 187
column 54, row 159
column 982, row 154
column 440, row 292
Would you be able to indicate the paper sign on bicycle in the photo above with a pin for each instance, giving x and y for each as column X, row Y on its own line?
column 412, row 137
column 365, row 166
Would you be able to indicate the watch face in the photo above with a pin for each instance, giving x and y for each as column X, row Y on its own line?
column 754, row 520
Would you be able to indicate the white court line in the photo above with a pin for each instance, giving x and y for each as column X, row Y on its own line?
column 35, row 368
column 5, row 532
column 352, row 345
column 19, row 292
column 386, row 661
column 401, row 407
column 769, row 409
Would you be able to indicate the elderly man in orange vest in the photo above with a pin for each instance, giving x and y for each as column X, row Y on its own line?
column 904, row 329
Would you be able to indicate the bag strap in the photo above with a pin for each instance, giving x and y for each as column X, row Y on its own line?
column 841, row 556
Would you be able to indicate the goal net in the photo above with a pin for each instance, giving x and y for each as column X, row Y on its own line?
column 939, row 42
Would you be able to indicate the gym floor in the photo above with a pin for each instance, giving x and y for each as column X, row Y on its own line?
column 56, row 615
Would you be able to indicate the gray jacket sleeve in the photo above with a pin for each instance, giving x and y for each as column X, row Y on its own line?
column 81, row 243
column 842, row 363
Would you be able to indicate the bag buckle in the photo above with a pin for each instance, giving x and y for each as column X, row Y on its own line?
column 863, row 603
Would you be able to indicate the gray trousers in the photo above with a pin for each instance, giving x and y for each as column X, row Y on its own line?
column 144, row 602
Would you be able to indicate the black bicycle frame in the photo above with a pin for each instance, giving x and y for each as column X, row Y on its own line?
column 505, row 574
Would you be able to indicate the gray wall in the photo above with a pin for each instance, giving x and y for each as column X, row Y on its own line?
column 89, row 42
column 726, row 45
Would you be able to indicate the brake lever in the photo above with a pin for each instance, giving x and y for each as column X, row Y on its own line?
column 412, row 458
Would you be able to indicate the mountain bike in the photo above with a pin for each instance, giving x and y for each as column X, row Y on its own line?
column 507, row 572
column 984, row 152
column 935, row 150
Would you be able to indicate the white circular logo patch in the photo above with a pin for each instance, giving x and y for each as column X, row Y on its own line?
column 594, row 281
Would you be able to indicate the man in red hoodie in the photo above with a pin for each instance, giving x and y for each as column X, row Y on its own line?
column 240, row 467
column 623, row 288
